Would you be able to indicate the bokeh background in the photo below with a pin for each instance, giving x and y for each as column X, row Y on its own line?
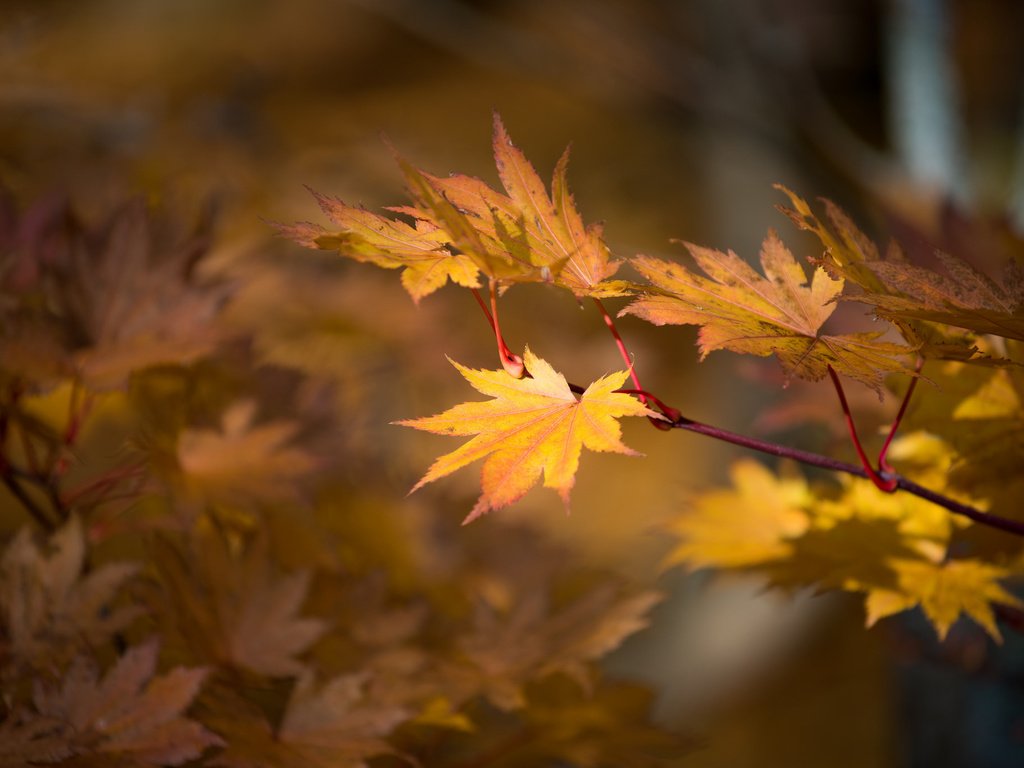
column 682, row 114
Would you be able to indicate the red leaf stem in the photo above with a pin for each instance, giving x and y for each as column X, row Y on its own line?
column 511, row 362
column 887, row 483
column 883, row 462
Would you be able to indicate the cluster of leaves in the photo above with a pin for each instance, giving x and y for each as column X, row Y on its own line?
column 202, row 563
column 900, row 550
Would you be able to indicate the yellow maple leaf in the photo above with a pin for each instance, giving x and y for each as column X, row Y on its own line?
column 751, row 524
column 944, row 590
column 778, row 313
column 532, row 425
column 420, row 248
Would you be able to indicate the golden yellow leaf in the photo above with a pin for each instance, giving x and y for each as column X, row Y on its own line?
column 778, row 313
column 753, row 522
column 419, row 248
column 532, row 425
column 463, row 227
column 944, row 590
column 926, row 526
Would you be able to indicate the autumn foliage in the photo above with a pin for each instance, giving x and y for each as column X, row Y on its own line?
column 205, row 573
column 962, row 323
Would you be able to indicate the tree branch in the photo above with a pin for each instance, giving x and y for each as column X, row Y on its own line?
column 825, row 462
column 676, row 420
column 26, row 501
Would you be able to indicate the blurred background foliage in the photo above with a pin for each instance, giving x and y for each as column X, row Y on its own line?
column 681, row 116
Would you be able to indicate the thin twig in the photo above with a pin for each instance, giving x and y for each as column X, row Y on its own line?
column 27, row 501
column 897, row 481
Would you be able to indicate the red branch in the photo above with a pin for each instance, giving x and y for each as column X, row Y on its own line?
column 677, row 421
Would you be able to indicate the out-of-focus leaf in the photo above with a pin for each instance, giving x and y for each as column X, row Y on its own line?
column 243, row 459
column 130, row 712
column 49, row 607
column 334, row 725
column 234, row 609
column 532, row 638
column 944, row 590
column 753, row 522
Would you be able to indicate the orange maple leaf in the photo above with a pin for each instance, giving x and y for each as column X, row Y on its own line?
column 547, row 228
column 532, row 425
column 461, row 227
column 918, row 300
column 778, row 313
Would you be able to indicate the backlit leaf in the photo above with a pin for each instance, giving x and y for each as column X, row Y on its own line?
column 419, row 248
column 532, row 425
column 776, row 313
column 462, row 227
column 914, row 296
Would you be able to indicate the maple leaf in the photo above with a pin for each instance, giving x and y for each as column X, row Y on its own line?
column 964, row 297
column 534, row 640
column 495, row 255
column 421, row 249
column 237, row 610
column 778, row 313
column 338, row 724
column 338, row 721
column 907, row 294
column 130, row 712
column 980, row 412
column 462, row 227
column 532, row 425
column 925, row 526
column 130, row 294
column 944, row 590
column 48, row 607
column 243, row 459
column 548, row 226
column 753, row 523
